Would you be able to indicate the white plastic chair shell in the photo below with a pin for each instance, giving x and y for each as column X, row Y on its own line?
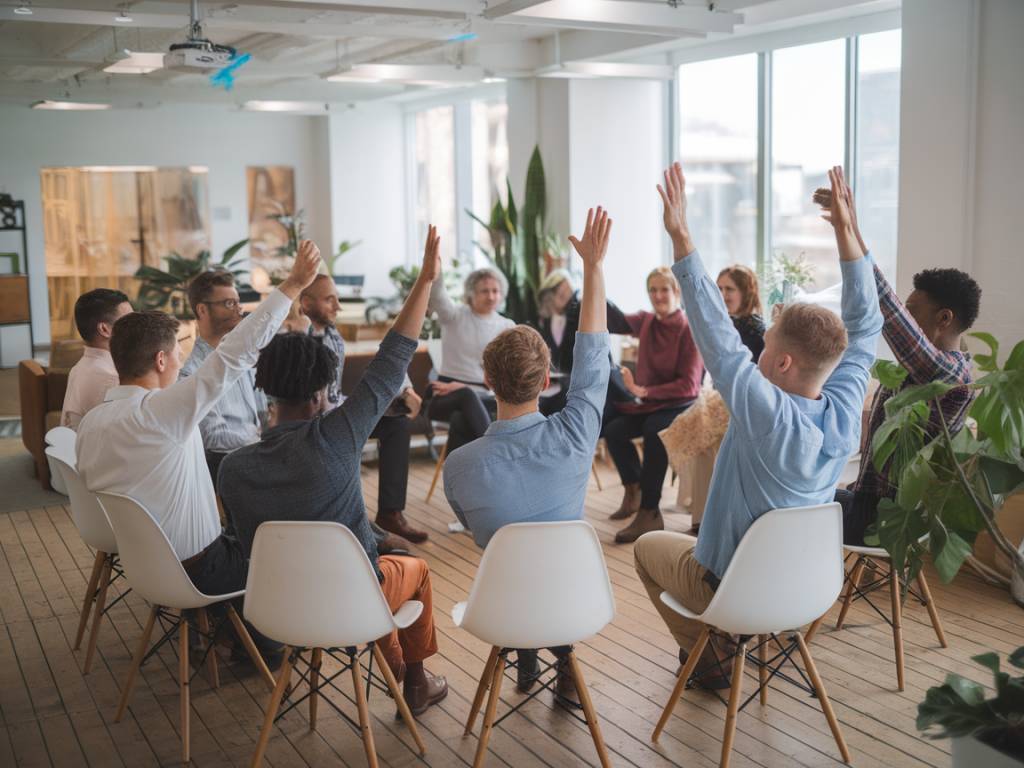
column 147, row 558
column 63, row 440
column 86, row 512
column 786, row 572
column 311, row 585
column 539, row 585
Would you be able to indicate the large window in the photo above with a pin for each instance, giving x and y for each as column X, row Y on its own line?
column 435, row 176
column 758, row 133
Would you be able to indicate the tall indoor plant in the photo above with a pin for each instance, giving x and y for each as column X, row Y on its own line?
column 166, row 289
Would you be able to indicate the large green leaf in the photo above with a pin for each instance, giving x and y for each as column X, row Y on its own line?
column 999, row 409
column 1015, row 362
column 900, row 437
column 889, row 374
column 898, row 532
column 946, row 708
column 948, row 549
column 947, row 500
column 232, row 250
column 1004, row 477
column 919, row 393
column 914, row 480
column 986, row 362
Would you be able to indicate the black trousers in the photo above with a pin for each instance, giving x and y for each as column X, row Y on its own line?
column 620, row 432
column 860, row 510
column 221, row 569
column 213, row 460
column 392, row 432
column 467, row 413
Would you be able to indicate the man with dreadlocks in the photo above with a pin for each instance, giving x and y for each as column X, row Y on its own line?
column 306, row 467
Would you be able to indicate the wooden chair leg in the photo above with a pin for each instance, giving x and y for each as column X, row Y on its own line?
column 211, row 654
column 314, row 685
column 481, row 689
column 364, row 713
column 762, row 668
column 597, row 477
column 819, row 690
column 183, row 675
column 140, row 652
column 90, row 597
column 853, row 581
column 97, row 616
column 814, row 627
column 897, row 623
column 933, row 611
column 684, row 675
column 250, row 647
column 272, row 706
column 588, row 710
column 492, row 707
column 735, row 692
column 437, row 470
column 399, row 697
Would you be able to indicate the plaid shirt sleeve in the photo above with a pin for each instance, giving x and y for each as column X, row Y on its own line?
column 923, row 360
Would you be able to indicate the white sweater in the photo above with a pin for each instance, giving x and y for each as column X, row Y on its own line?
column 464, row 334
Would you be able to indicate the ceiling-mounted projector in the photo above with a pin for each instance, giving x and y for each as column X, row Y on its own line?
column 197, row 54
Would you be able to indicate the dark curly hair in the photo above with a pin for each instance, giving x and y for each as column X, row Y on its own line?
column 953, row 290
column 294, row 367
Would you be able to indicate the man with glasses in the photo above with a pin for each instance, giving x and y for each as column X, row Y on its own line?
column 236, row 417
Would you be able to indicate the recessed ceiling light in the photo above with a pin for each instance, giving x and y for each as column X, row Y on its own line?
column 284, row 106
column 123, row 17
column 83, row 106
column 24, row 10
column 135, row 63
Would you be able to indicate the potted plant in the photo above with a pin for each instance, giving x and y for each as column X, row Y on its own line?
column 166, row 289
column 986, row 731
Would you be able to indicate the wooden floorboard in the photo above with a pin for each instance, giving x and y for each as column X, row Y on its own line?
column 52, row 714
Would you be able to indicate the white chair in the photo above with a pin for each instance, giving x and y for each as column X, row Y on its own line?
column 63, row 440
column 539, row 585
column 294, row 594
column 878, row 561
column 786, row 571
column 95, row 531
column 154, row 571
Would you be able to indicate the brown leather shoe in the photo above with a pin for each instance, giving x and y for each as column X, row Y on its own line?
column 395, row 522
column 630, row 502
column 646, row 520
column 565, row 686
column 422, row 697
column 393, row 545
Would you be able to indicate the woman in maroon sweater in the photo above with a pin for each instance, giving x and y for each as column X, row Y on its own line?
column 668, row 376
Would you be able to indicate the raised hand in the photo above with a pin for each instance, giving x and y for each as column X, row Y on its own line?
column 594, row 244
column 431, row 268
column 304, row 269
column 823, row 196
column 673, row 200
column 840, row 210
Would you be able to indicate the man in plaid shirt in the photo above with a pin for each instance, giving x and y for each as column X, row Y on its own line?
column 924, row 334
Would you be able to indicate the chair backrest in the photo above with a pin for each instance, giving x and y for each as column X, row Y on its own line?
column 62, row 437
column 311, row 585
column 786, row 572
column 148, row 560
column 540, row 585
column 86, row 512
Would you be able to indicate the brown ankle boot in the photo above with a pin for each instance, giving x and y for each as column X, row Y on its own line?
column 646, row 520
column 395, row 522
column 630, row 502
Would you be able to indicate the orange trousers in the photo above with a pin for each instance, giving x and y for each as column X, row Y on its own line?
column 408, row 578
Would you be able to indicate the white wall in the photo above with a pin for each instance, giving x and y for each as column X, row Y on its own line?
column 961, row 157
column 223, row 140
column 368, row 192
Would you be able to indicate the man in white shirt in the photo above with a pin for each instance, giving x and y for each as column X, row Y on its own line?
column 91, row 377
column 143, row 441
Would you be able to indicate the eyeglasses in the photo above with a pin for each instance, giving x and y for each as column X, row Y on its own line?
column 226, row 303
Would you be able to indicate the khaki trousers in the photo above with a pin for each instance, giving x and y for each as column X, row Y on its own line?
column 665, row 562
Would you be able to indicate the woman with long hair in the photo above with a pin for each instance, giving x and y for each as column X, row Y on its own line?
column 738, row 285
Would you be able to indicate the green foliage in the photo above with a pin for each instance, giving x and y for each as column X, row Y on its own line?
column 960, row 708
column 518, row 242
column 949, row 487
column 166, row 289
column 783, row 270
column 331, row 259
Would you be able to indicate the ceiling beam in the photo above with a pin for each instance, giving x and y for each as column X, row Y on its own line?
column 510, row 6
column 626, row 16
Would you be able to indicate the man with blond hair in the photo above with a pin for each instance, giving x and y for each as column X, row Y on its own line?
column 528, row 467
column 795, row 415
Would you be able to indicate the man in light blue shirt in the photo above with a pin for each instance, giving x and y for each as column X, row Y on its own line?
column 528, row 467
column 795, row 416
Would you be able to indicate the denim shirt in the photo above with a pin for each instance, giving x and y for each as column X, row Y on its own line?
column 533, row 468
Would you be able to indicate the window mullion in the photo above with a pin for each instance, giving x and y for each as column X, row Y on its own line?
column 764, row 159
column 463, row 154
column 852, row 89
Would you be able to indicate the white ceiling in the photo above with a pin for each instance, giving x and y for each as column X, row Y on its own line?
column 59, row 51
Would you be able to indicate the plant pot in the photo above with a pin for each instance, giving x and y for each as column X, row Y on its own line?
column 968, row 752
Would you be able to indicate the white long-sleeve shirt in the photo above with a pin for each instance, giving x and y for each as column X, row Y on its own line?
column 145, row 443
column 464, row 334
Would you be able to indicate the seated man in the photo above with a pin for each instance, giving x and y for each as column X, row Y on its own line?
column 235, row 418
column 89, row 379
column 794, row 416
column 306, row 467
column 143, row 441
column 924, row 335
column 320, row 304
column 528, row 467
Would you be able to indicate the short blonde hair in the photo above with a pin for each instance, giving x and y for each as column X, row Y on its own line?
column 815, row 336
column 516, row 364
column 666, row 273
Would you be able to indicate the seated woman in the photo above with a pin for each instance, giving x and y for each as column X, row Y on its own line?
column 465, row 330
column 668, row 377
column 742, row 298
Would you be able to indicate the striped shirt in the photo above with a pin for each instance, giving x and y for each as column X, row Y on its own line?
column 924, row 363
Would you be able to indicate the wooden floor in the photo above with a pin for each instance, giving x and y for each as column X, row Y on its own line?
column 54, row 715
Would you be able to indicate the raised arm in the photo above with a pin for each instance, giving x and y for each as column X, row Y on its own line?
column 754, row 403
column 181, row 406
column 592, row 249
column 440, row 302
